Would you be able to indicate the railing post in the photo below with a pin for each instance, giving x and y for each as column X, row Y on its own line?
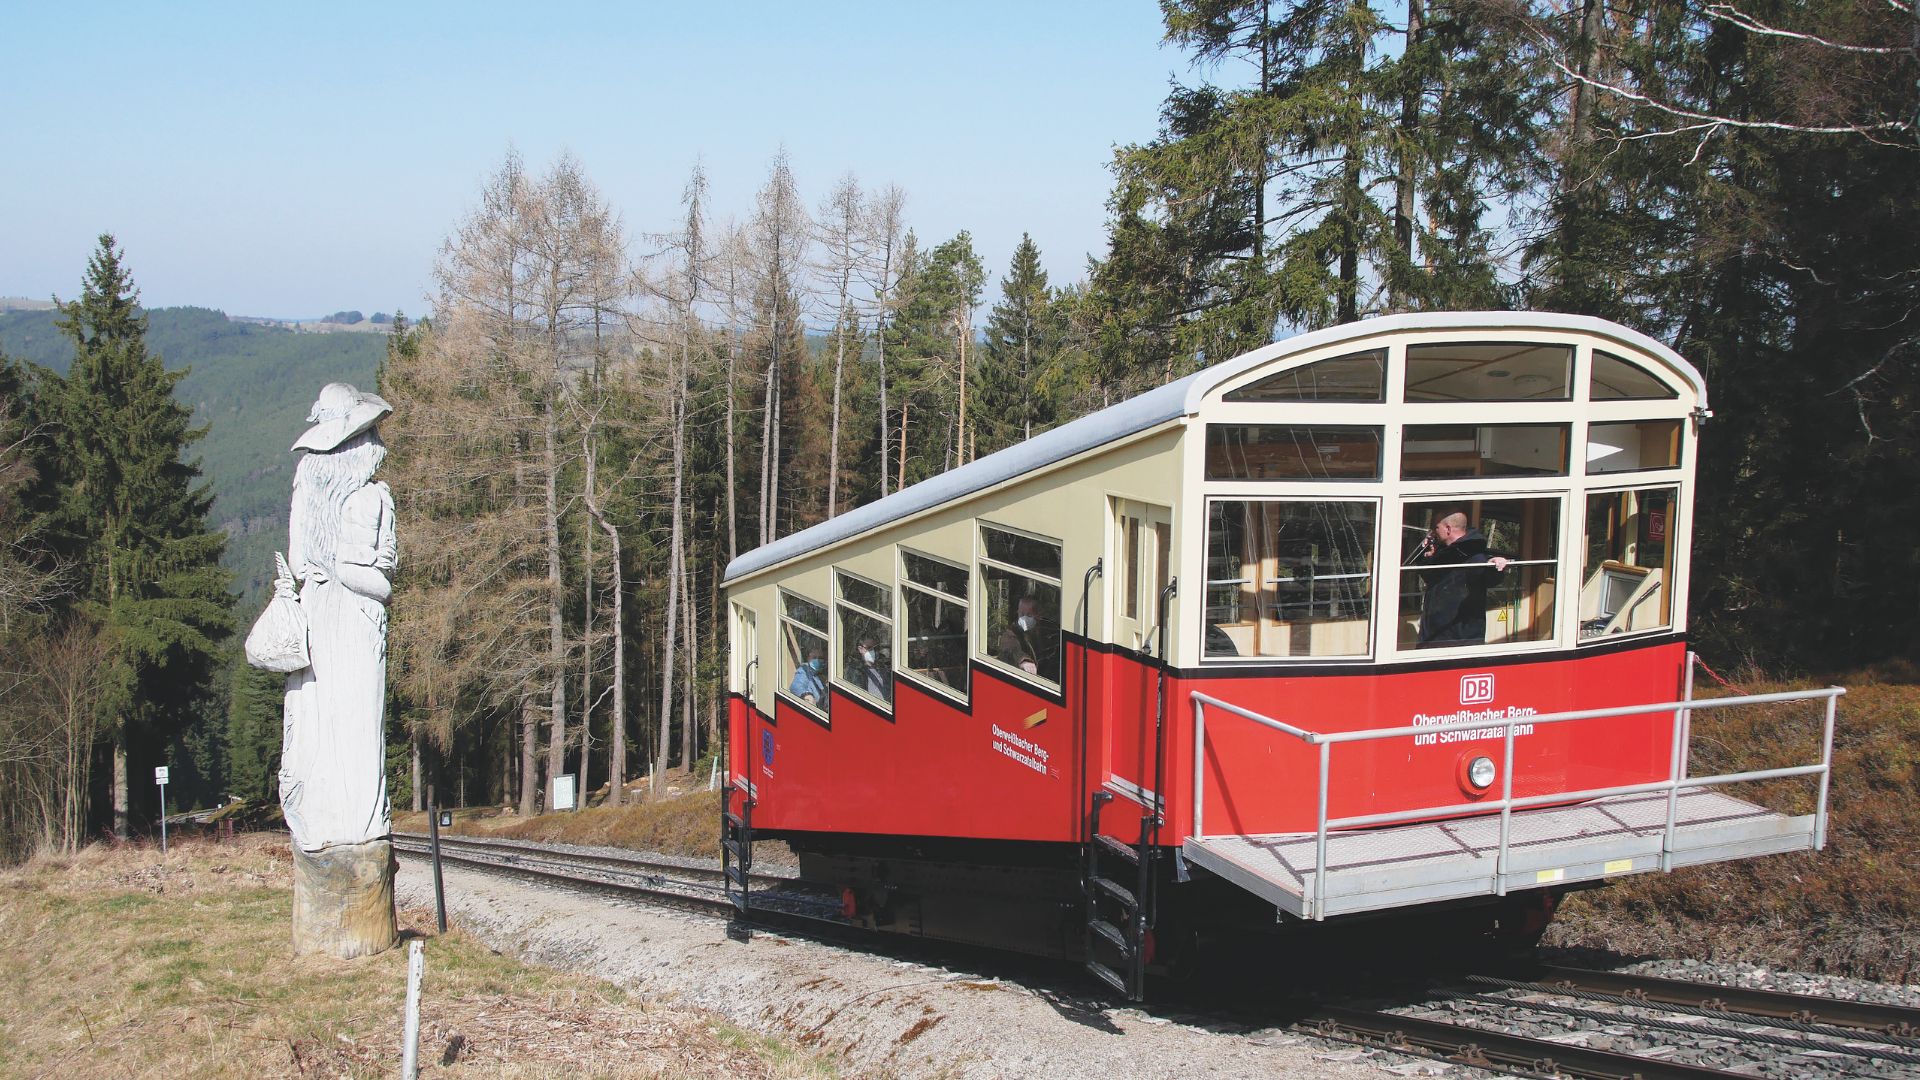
column 1826, row 775
column 1686, row 718
column 1673, row 789
column 1199, row 758
column 1506, row 813
column 1320, row 840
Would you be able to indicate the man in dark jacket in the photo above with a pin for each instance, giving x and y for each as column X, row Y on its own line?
column 1455, row 572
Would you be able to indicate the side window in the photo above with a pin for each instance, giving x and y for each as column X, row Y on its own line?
column 865, row 614
column 1020, row 602
column 1615, row 379
column 1478, row 572
column 1289, row 578
column 933, row 614
column 1361, row 377
column 1502, row 372
column 1464, row 451
column 1625, row 585
column 1292, row 452
column 803, row 650
column 1633, row 445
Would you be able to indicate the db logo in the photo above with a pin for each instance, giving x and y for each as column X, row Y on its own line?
column 1476, row 689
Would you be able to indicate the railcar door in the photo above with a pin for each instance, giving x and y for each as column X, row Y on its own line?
column 1142, row 537
column 1141, row 545
column 745, row 679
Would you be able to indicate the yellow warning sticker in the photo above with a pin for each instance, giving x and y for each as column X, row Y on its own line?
column 1618, row 866
column 1545, row 876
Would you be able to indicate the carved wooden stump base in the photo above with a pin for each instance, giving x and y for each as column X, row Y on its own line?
column 343, row 900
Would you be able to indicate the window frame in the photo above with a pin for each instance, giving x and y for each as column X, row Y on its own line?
column 822, row 711
column 1379, row 462
column 1573, row 390
column 835, row 621
column 1374, row 597
column 1384, row 352
column 1566, row 452
column 981, row 630
column 1556, row 624
column 905, row 582
column 1615, row 476
column 1668, row 578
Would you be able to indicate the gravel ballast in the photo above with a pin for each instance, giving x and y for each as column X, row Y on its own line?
column 889, row 1017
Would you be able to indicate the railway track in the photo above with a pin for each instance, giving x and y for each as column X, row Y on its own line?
column 1614, row 1024
column 1608, row 1025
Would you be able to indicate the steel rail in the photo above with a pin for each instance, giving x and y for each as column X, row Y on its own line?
column 669, row 897
column 1487, row 1048
column 631, row 864
column 1846, row 1043
column 1861, row 1017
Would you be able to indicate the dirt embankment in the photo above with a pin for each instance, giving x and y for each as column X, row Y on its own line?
column 1852, row 909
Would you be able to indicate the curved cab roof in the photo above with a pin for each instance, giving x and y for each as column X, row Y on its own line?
column 1176, row 399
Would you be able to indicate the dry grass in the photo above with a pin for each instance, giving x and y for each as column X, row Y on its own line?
column 122, row 963
column 1853, row 908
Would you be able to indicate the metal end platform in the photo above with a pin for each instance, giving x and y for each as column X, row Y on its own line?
column 1372, row 869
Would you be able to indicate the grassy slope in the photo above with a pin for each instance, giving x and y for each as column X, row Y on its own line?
column 122, row 963
column 1853, row 908
column 251, row 386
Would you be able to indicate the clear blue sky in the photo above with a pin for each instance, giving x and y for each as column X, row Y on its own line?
column 268, row 160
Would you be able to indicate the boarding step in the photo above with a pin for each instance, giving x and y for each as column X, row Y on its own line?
column 1113, row 935
column 1117, row 891
column 1117, row 848
column 1109, row 976
column 1376, row 869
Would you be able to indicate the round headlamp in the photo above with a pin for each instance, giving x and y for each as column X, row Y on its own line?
column 1481, row 772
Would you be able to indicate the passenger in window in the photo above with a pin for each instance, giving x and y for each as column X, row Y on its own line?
column 1030, row 643
column 809, row 680
column 869, row 670
column 1455, row 573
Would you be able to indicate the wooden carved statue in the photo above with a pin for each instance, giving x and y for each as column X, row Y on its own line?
column 333, row 788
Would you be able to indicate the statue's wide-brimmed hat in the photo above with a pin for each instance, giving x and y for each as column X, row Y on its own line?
column 340, row 413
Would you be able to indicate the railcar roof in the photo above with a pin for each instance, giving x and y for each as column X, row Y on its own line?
column 1155, row 407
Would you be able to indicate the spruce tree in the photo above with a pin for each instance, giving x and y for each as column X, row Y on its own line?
column 1015, row 383
column 1346, row 177
column 129, row 517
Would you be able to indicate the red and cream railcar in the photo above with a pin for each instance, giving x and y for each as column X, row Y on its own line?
column 1196, row 652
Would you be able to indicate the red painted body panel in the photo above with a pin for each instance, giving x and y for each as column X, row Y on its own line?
column 1007, row 768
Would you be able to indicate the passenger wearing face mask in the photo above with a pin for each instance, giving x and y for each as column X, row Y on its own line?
column 868, row 670
column 1029, row 644
column 810, row 680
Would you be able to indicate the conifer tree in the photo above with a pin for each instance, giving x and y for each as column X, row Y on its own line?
column 129, row 514
column 1341, row 180
column 1015, row 384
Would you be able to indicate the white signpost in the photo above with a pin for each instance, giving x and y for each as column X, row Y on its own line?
column 160, row 777
column 563, row 792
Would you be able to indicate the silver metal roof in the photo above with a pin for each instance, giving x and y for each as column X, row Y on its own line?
column 1155, row 407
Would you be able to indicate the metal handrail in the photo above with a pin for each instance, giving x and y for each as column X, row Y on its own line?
column 1507, row 803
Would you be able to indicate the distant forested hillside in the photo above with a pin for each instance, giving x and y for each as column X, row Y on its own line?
column 251, row 385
